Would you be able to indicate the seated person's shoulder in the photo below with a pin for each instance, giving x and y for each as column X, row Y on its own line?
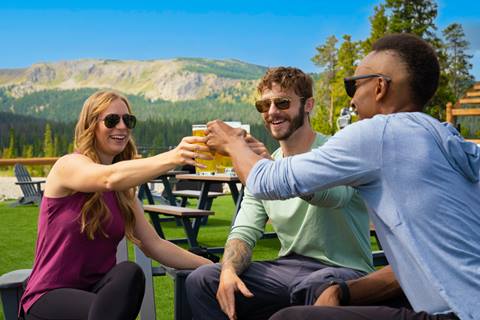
column 70, row 160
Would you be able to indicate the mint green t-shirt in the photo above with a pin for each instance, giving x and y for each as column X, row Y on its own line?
column 333, row 227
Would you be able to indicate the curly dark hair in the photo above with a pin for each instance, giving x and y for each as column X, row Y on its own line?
column 421, row 62
column 288, row 78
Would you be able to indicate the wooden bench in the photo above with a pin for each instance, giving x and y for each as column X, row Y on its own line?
column 195, row 194
column 189, row 194
column 183, row 213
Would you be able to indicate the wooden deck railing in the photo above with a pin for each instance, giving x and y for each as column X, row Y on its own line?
column 28, row 161
column 470, row 98
column 33, row 161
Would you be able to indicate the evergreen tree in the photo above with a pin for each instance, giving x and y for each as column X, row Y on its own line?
column 330, row 92
column 378, row 28
column 326, row 58
column 48, row 147
column 10, row 151
column 412, row 16
column 27, row 151
column 458, row 65
column 56, row 146
column 396, row 16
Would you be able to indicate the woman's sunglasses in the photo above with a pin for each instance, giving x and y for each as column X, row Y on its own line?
column 111, row 120
column 280, row 103
column 351, row 82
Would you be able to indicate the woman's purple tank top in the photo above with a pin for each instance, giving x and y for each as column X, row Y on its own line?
column 66, row 258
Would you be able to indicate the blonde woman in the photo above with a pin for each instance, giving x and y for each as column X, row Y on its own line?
column 89, row 205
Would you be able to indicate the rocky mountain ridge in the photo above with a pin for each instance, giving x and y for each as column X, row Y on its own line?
column 178, row 79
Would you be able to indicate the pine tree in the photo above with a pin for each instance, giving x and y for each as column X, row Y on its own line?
column 396, row 16
column 412, row 16
column 330, row 92
column 378, row 28
column 10, row 151
column 348, row 57
column 458, row 65
column 48, row 147
column 326, row 58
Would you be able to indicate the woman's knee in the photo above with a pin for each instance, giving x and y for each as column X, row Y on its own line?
column 131, row 271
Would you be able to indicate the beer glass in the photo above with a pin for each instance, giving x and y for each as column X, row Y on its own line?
column 198, row 130
column 225, row 162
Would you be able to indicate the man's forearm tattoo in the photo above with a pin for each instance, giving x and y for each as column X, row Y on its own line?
column 237, row 255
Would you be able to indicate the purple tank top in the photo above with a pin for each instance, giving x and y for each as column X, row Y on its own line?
column 66, row 258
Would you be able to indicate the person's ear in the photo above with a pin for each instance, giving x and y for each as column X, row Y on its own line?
column 381, row 89
column 309, row 103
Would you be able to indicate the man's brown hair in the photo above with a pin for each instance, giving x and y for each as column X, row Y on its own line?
column 288, row 78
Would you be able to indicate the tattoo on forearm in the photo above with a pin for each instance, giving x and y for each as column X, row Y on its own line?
column 237, row 254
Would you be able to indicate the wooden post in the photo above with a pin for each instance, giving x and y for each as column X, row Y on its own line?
column 449, row 116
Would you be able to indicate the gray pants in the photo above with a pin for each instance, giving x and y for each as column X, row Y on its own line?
column 287, row 281
column 357, row 313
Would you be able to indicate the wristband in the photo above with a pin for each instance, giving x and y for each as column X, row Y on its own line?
column 344, row 291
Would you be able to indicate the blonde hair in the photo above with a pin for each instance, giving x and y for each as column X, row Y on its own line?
column 95, row 213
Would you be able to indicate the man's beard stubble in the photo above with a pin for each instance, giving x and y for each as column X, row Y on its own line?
column 295, row 123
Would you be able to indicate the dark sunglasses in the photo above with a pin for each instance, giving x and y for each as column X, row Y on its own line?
column 351, row 85
column 280, row 103
column 111, row 120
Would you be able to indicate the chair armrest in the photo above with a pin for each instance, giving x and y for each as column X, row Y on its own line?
column 38, row 182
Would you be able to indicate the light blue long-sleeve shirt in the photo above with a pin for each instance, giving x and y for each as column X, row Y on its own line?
column 420, row 182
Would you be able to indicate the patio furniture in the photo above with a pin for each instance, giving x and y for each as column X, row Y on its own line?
column 185, row 214
column 32, row 191
column 12, row 285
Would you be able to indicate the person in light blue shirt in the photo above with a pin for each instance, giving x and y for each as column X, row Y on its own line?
column 418, row 177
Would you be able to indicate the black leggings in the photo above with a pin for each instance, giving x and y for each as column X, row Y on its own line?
column 118, row 295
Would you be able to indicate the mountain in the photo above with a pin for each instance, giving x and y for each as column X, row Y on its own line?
column 174, row 80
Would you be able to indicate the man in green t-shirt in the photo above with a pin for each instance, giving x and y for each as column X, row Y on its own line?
column 324, row 236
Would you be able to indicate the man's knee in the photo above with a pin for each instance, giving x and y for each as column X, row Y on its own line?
column 308, row 290
column 204, row 277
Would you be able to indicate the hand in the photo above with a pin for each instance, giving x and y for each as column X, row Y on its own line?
column 258, row 147
column 229, row 284
column 189, row 149
column 220, row 135
column 329, row 297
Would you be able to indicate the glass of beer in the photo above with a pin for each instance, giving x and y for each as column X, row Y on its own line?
column 225, row 162
column 198, row 130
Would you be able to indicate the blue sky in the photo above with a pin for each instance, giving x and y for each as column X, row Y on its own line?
column 269, row 33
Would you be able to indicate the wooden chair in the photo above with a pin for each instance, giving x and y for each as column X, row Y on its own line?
column 12, row 284
column 32, row 191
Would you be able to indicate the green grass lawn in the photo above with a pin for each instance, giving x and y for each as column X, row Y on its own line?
column 18, row 232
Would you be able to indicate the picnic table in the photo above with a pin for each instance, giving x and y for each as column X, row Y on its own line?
column 165, row 179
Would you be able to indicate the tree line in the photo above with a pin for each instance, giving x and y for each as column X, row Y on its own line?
column 339, row 57
column 27, row 137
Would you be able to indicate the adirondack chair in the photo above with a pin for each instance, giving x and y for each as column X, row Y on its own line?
column 32, row 191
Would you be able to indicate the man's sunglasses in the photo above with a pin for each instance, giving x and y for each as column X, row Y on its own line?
column 280, row 103
column 111, row 120
column 351, row 85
